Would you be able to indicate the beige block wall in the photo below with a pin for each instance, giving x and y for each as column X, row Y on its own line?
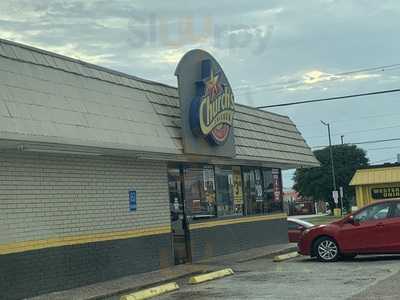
column 46, row 196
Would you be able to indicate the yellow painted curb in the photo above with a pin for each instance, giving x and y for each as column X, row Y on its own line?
column 287, row 256
column 152, row 292
column 210, row 276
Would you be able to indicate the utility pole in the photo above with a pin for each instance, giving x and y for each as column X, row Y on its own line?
column 341, row 188
column 331, row 154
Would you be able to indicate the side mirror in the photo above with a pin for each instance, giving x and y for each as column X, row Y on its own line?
column 351, row 220
column 300, row 227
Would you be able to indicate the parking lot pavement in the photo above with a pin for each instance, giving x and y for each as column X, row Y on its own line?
column 301, row 278
column 387, row 289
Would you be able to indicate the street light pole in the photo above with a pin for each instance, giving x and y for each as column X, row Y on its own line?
column 331, row 154
column 341, row 188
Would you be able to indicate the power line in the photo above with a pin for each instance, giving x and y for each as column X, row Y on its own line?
column 349, row 120
column 383, row 148
column 376, row 141
column 367, row 70
column 383, row 160
column 364, row 142
column 356, row 131
column 331, row 98
column 333, row 77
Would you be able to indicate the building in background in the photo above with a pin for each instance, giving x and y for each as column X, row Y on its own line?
column 296, row 205
column 104, row 175
column 378, row 182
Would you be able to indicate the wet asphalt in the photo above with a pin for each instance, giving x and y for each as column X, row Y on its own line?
column 302, row 278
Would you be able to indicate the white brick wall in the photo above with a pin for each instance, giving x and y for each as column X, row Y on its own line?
column 50, row 196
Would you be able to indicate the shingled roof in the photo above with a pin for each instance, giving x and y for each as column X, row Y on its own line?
column 46, row 98
column 259, row 135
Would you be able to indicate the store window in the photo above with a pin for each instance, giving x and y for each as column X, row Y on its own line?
column 272, row 191
column 237, row 190
column 277, row 199
column 268, row 190
column 248, row 191
column 253, row 191
column 199, row 192
column 229, row 190
column 262, row 191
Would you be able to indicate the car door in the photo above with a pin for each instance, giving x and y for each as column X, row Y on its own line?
column 367, row 234
column 392, row 230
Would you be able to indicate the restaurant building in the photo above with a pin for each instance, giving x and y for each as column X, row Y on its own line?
column 104, row 175
column 379, row 182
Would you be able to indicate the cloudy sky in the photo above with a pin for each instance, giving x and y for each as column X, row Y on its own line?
column 272, row 52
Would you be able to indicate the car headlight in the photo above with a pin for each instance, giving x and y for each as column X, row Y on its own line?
column 306, row 231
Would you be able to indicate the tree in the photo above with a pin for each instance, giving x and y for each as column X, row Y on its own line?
column 317, row 182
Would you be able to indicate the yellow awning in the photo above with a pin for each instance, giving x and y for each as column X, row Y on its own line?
column 376, row 176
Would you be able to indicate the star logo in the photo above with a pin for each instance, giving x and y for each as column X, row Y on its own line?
column 213, row 87
column 212, row 110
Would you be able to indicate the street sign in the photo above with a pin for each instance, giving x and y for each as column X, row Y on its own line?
column 341, row 192
column 335, row 195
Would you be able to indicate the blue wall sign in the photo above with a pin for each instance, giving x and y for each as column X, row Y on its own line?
column 132, row 201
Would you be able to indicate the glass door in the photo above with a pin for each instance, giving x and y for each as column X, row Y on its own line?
column 180, row 231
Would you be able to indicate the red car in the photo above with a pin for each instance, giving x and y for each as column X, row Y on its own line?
column 374, row 229
column 296, row 228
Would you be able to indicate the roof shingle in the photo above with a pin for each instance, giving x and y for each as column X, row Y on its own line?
column 52, row 98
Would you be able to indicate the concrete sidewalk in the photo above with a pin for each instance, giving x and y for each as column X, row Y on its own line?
column 140, row 281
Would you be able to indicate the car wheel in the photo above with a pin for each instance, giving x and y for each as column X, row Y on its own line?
column 326, row 250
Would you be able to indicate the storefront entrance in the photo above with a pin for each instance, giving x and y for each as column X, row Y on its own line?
column 201, row 193
column 180, row 232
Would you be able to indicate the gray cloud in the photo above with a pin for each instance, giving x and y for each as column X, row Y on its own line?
column 267, row 44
